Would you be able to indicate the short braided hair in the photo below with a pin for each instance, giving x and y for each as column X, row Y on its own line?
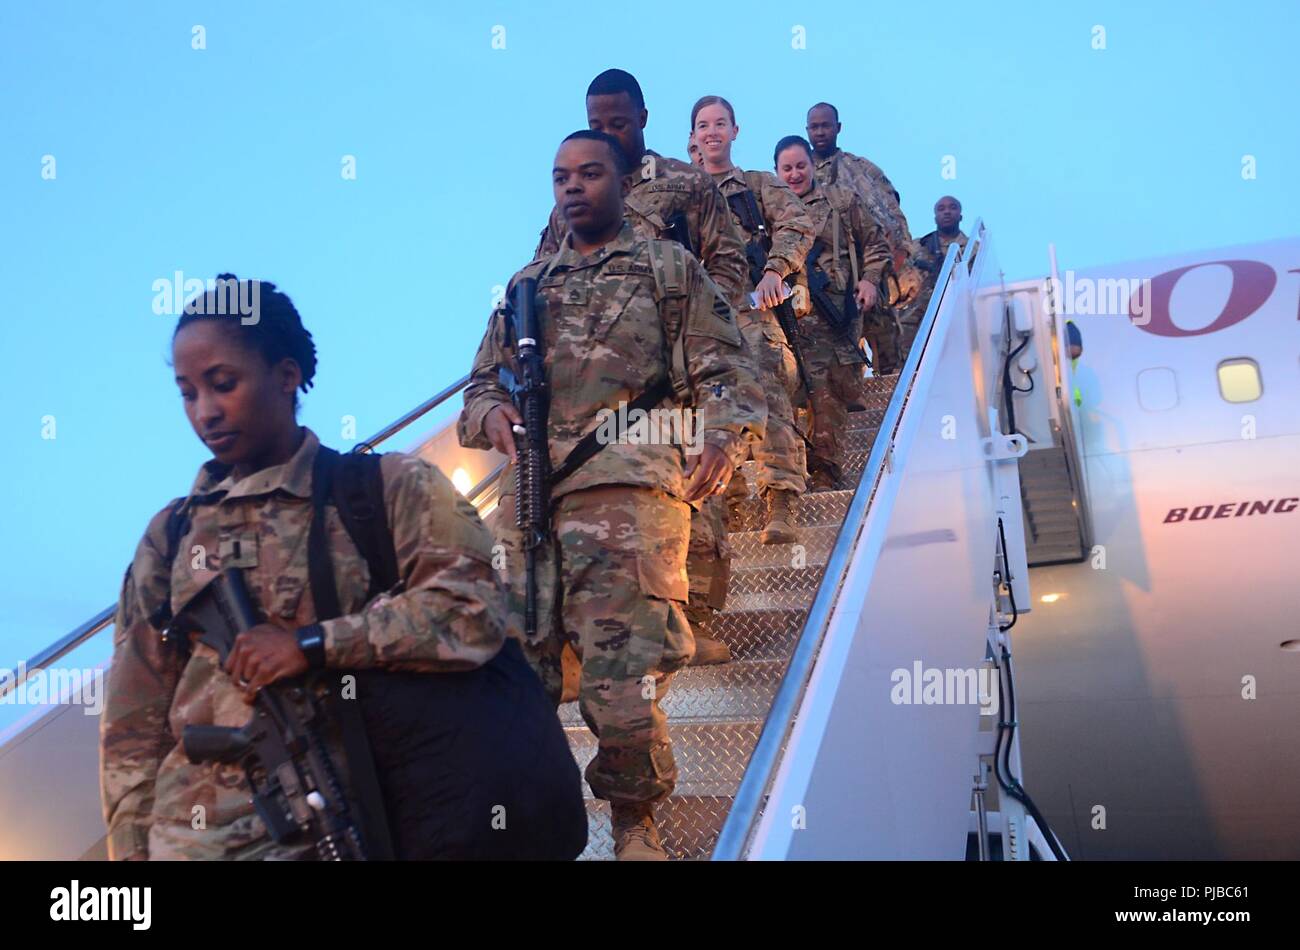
column 276, row 330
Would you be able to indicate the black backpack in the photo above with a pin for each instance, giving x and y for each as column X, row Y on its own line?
column 469, row 765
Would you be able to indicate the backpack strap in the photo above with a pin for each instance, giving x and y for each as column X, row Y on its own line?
column 358, row 495
column 355, row 486
column 668, row 261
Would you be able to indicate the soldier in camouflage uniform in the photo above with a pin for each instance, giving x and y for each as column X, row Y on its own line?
column 782, row 468
column 676, row 201
column 854, row 255
column 928, row 254
column 836, row 166
column 250, row 507
column 611, row 307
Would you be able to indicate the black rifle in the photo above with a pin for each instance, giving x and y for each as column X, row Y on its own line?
column 295, row 785
column 839, row 321
column 745, row 207
column 532, row 472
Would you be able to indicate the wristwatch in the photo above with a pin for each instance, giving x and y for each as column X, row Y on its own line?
column 311, row 641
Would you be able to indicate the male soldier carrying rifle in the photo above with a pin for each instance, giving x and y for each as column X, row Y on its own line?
column 617, row 316
column 834, row 166
column 676, row 201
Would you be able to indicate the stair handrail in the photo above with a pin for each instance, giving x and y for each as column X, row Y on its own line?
column 83, row 633
column 763, row 761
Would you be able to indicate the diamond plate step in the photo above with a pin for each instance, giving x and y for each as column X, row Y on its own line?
column 814, row 508
column 772, row 600
column 813, row 547
column 880, row 385
column 1037, row 554
column 869, row 419
column 688, row 826
column 756, row 580
column 711, row 756
column 756, row 634
column 1063, row 520
column 1054, row 498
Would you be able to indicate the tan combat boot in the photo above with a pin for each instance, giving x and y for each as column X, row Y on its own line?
column 635, row 836
column 823, row 479
column 780, row 520
column 709, row 652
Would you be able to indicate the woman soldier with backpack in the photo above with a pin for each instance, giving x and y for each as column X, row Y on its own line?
column 368, row 572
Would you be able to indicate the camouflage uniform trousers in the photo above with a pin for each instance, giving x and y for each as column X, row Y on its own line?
column 836, row 384
column 708, row 560
column 176, row 841
column 882, row 333
column 617, row 598
column 780, row 455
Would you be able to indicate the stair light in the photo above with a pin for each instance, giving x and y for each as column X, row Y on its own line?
column 460, row 478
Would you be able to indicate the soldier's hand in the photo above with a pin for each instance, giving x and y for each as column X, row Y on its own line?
column 770, row 290
column 262, row 656
column 867, row 296
column 909, row 284
column 498, row 426
column 708, row 472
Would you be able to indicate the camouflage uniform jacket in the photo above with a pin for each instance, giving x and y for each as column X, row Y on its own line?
column 873, row 187
column 786, row 219
column 852, row 243
column 448, row 614
column 605, row 340
column 661, row 189
column 934, row 247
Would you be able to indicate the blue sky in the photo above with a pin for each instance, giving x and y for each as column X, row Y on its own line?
column 228, row 158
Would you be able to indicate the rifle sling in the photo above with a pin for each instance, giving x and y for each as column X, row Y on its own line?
column 591, row 443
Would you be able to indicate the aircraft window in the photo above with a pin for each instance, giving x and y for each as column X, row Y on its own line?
column 1239, row 380
column 1157, row 389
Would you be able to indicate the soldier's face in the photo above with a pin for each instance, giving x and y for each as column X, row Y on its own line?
column 588, row 188
column 794, row 167
column 617, row 116
column 823, row 130
column 714, row 132
column 237, row 404
column 947, row 213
